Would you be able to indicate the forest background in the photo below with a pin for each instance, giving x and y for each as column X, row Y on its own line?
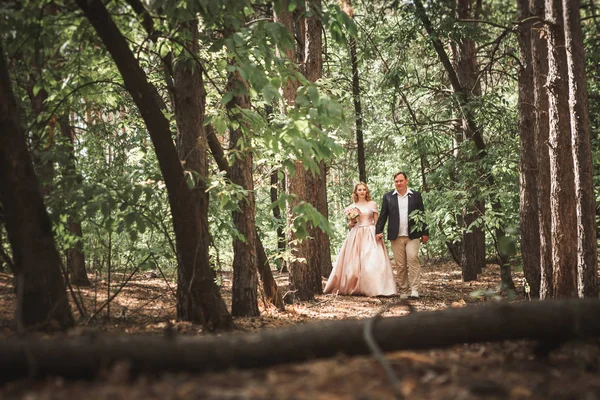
column 247, row 102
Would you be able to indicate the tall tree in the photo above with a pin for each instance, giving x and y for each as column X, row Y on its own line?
column 460, row 79
column 317, row 181
column 539, row 51
column 189, row 99
column 274, row 195
column 305, row 277
column 269, row 285
column 244, row 292
column 75, row 255
column 587, row 253
column 358, row 117
column 562, row 201
column 41, row 293
column 467, row 71
column 198, row 297
column 528, row 210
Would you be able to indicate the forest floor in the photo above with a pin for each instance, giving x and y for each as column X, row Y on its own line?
column 506, row 370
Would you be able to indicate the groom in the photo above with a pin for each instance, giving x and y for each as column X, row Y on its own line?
column 403, row 232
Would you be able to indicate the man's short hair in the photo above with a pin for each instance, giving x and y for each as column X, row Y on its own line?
column 401, row 173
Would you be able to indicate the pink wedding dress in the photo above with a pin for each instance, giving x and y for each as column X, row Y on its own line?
column 362, row 266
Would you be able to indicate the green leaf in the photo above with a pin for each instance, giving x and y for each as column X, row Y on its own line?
column 226, row 99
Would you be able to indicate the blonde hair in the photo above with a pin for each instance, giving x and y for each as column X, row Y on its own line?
column 355, row 195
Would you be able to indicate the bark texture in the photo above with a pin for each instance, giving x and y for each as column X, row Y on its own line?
column 587, row 252
column 305, row 277
column 528, row 207
column 245, row 280
column 317, row 182
column 539, row 51
column 562, row 201
column 467, row 71
column 41, row 292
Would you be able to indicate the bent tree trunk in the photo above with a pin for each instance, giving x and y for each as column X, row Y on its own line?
column 464, row 98
column 41, row 292
column 198, row 297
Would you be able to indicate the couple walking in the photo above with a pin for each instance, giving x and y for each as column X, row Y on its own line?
column 363, row 266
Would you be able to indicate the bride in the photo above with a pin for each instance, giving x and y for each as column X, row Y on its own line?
column 362, row 266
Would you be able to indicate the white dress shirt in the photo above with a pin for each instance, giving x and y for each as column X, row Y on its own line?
column 403, row 208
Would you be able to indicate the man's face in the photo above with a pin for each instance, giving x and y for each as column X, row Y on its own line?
column 401, row 183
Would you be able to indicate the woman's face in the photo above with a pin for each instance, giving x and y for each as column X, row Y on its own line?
column 361, row 191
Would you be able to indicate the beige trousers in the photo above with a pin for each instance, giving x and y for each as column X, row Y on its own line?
column 406, row 258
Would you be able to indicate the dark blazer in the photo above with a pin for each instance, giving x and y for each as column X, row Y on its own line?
column 390, row 210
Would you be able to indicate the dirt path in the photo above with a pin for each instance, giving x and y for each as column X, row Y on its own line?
column 490, row 371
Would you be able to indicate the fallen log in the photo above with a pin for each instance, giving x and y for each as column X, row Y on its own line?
column 83, row 357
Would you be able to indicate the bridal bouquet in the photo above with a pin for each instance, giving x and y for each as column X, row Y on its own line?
column 351, row 213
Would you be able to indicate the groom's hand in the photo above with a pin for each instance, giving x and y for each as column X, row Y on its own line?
column 379, row 236
column 424, row 239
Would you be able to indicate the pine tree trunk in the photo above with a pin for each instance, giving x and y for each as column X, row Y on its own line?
column 465, row 64
column 539, row 51
column 303, row 276
column 274, row 193
column 41, row 292
column 587, row 253
column 317, row 182
column 528, row 210
column 346, row 5
column 562, row 200
column 198, row 297
column 264, row 269
column 245, row 280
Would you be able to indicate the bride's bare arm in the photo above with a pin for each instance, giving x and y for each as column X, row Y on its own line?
column 373, row 206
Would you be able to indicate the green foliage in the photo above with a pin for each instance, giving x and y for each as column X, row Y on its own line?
column 61, row 72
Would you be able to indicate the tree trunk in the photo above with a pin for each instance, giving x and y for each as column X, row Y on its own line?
column 41, row 292
column 552, row 322
column 245, row 280
column 274, row 193
column 358, row 118
column 317, row 182
column 587, row 253
column 264, row 269
column 466, row 67
column 198, row 297
column 75, row 255
column 472, row 259
column 539, row 51
column 305, row 278
column 528, row 210
column 464, row 93
column 562, row 200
